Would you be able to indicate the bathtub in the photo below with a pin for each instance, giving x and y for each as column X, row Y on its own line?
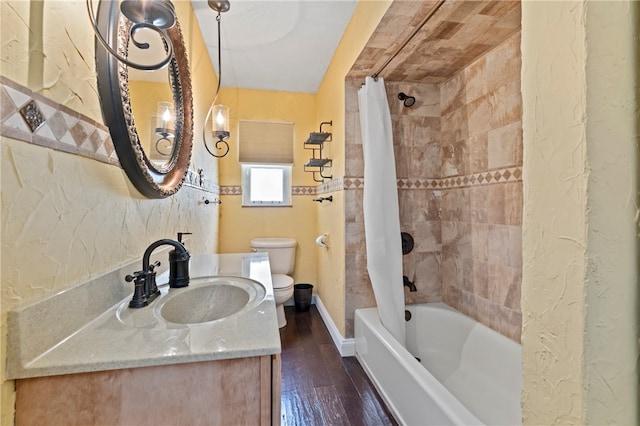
column 467, row 374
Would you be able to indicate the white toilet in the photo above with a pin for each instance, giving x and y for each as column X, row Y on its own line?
column 282, row 256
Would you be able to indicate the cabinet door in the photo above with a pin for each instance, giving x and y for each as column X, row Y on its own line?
column 202, row 393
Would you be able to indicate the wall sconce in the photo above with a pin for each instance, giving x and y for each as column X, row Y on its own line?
column 155, row 15
column 165, row 121
column 219, row 114
column 165, row 128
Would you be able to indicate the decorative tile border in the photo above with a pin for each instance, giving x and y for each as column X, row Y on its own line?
column 511, row 174
column 296, row 190
column 32, row 118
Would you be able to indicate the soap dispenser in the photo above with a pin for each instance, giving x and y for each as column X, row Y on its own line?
column 179, row 265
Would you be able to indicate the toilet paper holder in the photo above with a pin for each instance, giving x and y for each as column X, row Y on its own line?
column 322, row 241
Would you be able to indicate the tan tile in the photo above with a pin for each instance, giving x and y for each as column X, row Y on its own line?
column 451, row 296
column 512, row 298
column 479, row 201
column 475, row 80
column 504, row 146
column 515, row 246
column 480, row 241
column 455, row 204
column 479, row 115
column 504, row 284
column 468, row 277
column 505, row 104
column 451, row 270
column 424, row 161
column 403, row 157
column 406, row 205
column 351, row 88
column 478, row 153
column 481, row 278
column 454, row 158
column 499, row 245
column 456, row 238
column 454, row 126
column 354, row 236
column 504, row 63
column 496, row 204
column 428, row 236
column 452, row 94
column 350, row 122
column 354, row 160
column 418, row 131
column 513, row 203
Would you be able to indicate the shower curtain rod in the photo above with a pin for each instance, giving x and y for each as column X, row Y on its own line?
column 433, row 10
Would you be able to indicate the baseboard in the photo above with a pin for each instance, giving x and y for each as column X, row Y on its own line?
column 346, row 347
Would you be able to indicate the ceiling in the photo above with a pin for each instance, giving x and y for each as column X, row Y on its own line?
column 287, row 45
column 448, row 37
column 275, row 45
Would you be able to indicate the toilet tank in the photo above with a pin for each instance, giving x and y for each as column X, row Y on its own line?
column 282, row 253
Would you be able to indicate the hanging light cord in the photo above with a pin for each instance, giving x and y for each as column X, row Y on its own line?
column 215, row 97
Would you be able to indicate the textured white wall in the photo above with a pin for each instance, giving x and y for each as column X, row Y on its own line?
column 579, row 292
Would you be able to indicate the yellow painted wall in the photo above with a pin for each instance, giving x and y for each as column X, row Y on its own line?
column 145, row 96
column 580, row 284
column 66, row 218
column 331, row 106
column 238, row 225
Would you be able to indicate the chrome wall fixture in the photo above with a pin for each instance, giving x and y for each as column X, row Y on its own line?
column 155, row 15
column 219, row 114
column 315, row 142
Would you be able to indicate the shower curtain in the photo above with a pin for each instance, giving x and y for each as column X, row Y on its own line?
column 380, row 205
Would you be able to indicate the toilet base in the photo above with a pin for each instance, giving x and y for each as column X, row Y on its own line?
column 282, row 320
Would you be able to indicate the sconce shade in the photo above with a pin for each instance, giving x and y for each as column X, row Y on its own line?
column 165, row 120
column 220, row 122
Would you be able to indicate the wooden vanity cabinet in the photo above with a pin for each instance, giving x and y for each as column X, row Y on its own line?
column 243, row 391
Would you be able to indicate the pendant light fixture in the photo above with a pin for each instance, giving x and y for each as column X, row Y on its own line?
column 219, row 114
column 155, row 15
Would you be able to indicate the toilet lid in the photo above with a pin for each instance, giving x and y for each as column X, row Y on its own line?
column 281, row 281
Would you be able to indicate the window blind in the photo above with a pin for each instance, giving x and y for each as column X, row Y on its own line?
column 265, row 142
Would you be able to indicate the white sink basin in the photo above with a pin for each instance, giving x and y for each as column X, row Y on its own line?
column 209, row 299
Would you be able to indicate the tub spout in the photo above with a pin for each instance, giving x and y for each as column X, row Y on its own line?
column 410, row 284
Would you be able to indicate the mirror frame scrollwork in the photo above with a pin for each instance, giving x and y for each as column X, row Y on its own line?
column 113, row 88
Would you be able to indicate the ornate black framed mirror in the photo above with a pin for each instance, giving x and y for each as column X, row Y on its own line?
column 155, row 174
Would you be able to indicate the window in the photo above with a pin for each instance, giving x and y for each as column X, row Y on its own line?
column 266, row 185
column 266, row 154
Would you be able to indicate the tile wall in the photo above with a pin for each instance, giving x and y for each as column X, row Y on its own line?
column 458, row 154
column 481, row 223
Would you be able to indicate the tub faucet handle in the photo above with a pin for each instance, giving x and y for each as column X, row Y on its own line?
column 407, row 283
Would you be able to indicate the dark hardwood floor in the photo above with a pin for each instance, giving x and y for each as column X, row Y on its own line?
column 318, row 386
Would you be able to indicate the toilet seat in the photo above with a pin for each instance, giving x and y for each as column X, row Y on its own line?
column 281, row 281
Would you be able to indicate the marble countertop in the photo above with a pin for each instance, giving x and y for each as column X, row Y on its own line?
column 121, row 337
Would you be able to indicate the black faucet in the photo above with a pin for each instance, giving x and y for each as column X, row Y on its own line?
column 146, row 290
column 407, row 283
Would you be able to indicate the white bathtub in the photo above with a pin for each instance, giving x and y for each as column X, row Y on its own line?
column 468, row 374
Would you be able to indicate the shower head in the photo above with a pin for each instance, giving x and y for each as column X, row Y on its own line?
column 408, row 100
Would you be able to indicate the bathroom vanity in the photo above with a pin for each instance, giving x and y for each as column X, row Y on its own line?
column 84, row 357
